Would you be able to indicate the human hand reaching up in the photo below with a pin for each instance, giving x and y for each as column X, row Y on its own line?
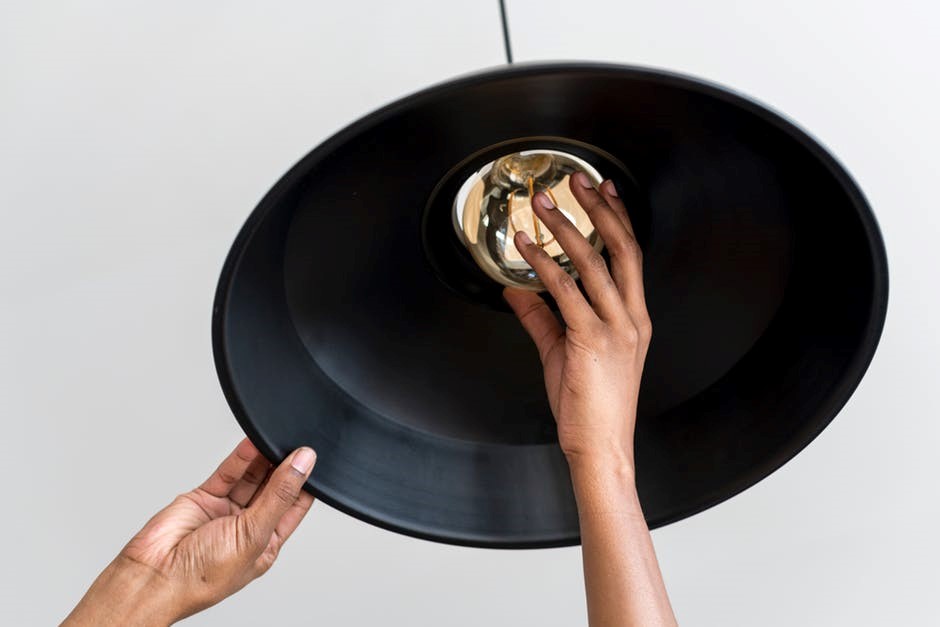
column 594, row 363
column 205, row 545
column 592, row 366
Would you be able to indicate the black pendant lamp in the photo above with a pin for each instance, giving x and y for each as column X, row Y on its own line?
column 360, row 307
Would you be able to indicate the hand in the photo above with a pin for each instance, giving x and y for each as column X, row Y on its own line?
column 207, row 544
column 592, row 374
column 594, row 364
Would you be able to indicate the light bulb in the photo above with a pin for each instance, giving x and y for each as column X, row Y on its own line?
column 496, row 202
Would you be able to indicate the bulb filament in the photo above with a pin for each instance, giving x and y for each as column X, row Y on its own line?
column 530, row 183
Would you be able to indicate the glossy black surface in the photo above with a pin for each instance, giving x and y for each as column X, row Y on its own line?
column 766, row 283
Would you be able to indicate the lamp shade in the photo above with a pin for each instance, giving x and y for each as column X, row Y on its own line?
column 350, row 317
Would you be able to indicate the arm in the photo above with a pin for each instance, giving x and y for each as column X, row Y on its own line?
column 621, row 575
column 206, row 545
column 593, row 367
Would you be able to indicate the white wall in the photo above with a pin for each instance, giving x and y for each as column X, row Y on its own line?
column 136, row 137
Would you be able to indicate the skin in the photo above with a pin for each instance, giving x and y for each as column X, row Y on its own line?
column 211, row 542
column 593, row 365
column 206, row 545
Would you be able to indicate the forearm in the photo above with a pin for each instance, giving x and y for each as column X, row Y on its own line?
column 125, row 593
column 622, row 578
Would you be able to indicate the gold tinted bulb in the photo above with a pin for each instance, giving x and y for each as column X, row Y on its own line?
column 496, row 202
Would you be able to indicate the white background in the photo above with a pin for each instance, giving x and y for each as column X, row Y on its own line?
column 136, row 137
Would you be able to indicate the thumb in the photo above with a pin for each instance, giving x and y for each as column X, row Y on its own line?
column 280, row 493
column 536, row 318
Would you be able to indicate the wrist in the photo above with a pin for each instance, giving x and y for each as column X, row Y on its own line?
column 126, row 593
column 612, row 461
column 605, row 484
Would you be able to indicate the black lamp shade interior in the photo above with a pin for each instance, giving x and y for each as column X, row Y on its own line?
column 766, row 281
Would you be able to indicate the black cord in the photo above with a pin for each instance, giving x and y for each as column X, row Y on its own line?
column 502, row 14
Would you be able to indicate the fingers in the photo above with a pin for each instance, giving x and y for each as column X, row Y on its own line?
column 574, row 309
column 281, row 492
column 231, row 470
column 282, row 531
column 264, row 482
column 609, row 191
column 536, row 318
column 248, row 485
column 592, row 268
column 609, row 217
column 289, row 521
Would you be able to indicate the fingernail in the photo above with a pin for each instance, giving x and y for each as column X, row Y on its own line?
column 303, row 460
column 584, row 180
column 611, row 188
column 526, row 240
column 544, row 200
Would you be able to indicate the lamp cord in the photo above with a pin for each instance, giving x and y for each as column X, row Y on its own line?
column 502, row 14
